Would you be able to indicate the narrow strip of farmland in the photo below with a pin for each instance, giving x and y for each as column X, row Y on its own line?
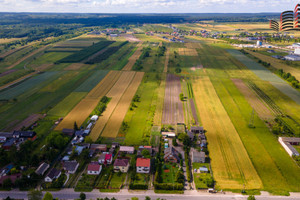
column 134, row 57
column 173, row 108
column 267, row 75
column 167, row 60
column 83, row 109
column 231, row 164
column 114, row 124
column 26, row 57
column 261, row 109
column 115, row 93
column 277, row 64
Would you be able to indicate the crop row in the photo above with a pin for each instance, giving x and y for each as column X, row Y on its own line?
column 106, row 54
column 86, row 52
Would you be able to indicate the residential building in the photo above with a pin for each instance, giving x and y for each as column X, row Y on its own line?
column 126, row 149
column 70, row 166
column 94, row 168
column 171, row 155
column 121, row 165
column 52, row 175
column 143, row 165
column 42, row 169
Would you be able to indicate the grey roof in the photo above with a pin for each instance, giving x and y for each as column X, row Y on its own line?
column 198, row 128
column 24, row 134
column 198, row 155
column 171, row 152
column 42, row 168
column 53, row 173
column 70, row 165
column 290, row 139
column 294, row 151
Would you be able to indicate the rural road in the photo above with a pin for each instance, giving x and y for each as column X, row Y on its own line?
column 125, row 194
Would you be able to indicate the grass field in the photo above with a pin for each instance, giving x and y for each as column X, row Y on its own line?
column 115, row 93
column 230, row 162
column 112, row 127
column 66, row 105
column 140, row 119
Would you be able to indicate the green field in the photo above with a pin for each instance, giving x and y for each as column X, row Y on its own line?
column 262, row 146
column 140, row 119
column 34, row 82
column 200, row 179
column 92, row 81
column 66, row 105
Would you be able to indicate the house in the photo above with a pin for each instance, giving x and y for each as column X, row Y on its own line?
column 105, row 158
column 52, row 175
column 197, row 129
column 98, row 147
column 108, row 158
column 24, row 134
column 101, row 158
column 68, row 132
column 82, row 133
column 9, row 143
column 126, row 149
column 12, row 177
column 70, row 166
column 94, row 168
column 121, row 165
column 287, row 143
column 171, row 155
column 198, row 157
column 143, row 165
column 42, row 169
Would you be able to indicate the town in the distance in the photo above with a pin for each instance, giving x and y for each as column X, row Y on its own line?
column 117, row 106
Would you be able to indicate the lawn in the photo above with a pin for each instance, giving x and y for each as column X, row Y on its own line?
column 169, row 173
column 86, row 183
column 140, row 117
column 117, row 180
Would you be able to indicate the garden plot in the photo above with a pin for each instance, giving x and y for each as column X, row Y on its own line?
column 173, row 108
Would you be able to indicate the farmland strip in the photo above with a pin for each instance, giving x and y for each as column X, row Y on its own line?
column 167, row 61
column 114, row 124
column 260, row 108
column 231, row 164
column 83, row 109
column 115, row 93
column 134, row 57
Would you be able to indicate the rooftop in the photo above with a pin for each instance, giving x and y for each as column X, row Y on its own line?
column 143, row 162
column 121, row 162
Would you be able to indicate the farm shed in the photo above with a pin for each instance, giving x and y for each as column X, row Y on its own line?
column 292, row 57
column 197, row 129
column 168, row 134
column 287, row 142
column 127, row 149
column 198, row 157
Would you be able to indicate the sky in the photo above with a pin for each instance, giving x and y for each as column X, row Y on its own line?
column 147, row 6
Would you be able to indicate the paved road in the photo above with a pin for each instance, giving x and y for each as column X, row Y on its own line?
column 125, row 194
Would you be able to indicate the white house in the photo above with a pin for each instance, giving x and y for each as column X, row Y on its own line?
column 143, row 165
column 94, row 168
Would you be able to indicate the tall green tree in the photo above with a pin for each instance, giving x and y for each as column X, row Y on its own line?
column 48, row 196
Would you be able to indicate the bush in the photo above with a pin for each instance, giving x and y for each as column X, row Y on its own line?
column 168, row 186
column 138, row 186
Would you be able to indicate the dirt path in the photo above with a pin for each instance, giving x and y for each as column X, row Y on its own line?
column 167, row 61
column 133, row 58
column 26, row 57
